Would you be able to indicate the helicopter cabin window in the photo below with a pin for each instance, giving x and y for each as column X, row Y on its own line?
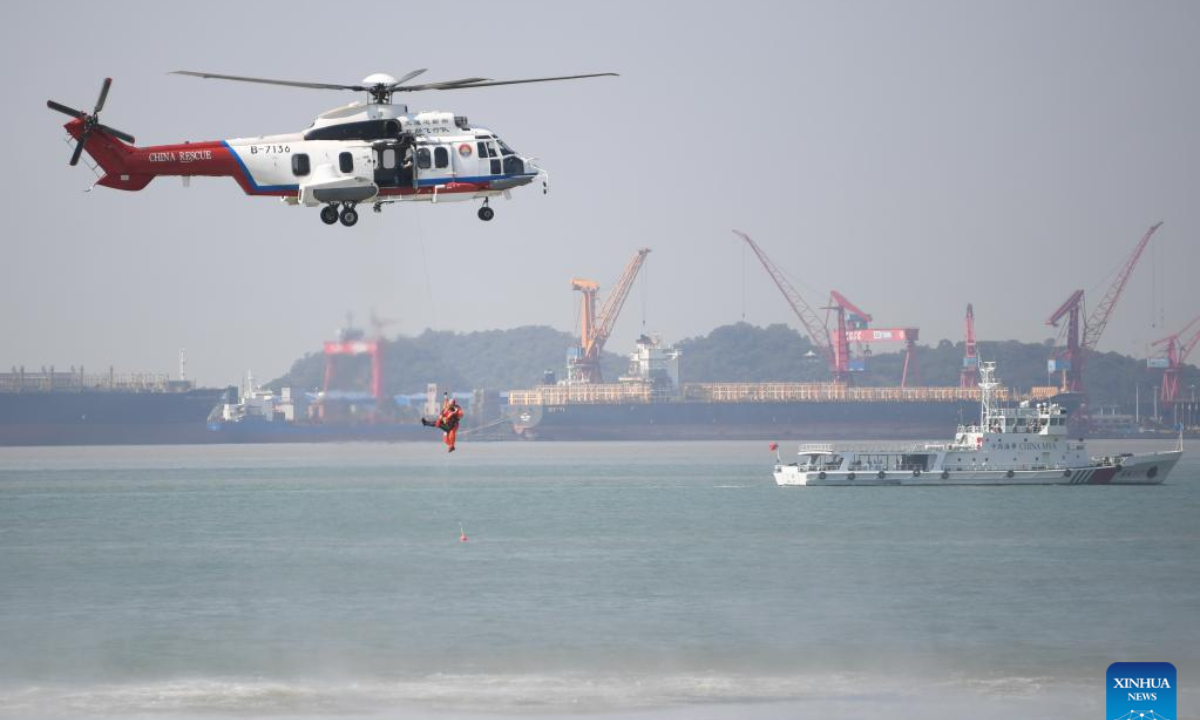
column 387, row 159
column 346, row 162
column 300, row 164
column 441, row 157
column 365, row 130
column 423, row 158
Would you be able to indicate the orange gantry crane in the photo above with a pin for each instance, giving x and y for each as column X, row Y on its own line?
column 1082, row 336
column 1178, row 347
column 583, row 365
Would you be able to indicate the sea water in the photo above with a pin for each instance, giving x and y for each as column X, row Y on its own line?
column 631, row 580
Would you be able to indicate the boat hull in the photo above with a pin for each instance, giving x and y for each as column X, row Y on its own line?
column 1148, row 469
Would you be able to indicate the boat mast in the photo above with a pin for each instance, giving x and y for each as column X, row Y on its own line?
column 987, row 384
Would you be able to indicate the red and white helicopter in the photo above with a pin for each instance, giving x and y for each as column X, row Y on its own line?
column 373, row 152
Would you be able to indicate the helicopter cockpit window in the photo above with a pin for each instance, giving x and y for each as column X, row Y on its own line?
column 485, row 149
column 346, row 162
column 423, row 158
column 504, row 149
column 441, row 157
column 300, row 164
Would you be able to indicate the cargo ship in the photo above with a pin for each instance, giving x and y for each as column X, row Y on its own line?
column 51, row 407
column 650, row 403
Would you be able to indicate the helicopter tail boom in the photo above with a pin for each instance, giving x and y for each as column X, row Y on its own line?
column 129, row 167
column 112, row 155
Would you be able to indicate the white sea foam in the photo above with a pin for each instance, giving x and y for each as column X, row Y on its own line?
column 446, row 695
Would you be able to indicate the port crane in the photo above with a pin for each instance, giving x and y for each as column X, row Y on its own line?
column 1083, row 335
column 583, row 365
column 852, row 327
column 352, row 342
column 818, row 332
column 1178, row 347
column 851, row 323
column 968, row 377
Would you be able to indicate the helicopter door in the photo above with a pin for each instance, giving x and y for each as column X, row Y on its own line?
column 423, row 164
column 387, row 163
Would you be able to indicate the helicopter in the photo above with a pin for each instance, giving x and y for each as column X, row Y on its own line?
column 372, row 152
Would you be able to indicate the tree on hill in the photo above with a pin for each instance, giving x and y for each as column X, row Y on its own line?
column 517, row 358
column 746, row 353
column 493, row 359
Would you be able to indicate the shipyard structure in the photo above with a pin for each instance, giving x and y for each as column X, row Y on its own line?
column 650, row 403
column 650, row 400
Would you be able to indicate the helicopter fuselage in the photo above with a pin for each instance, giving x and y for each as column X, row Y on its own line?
column 374, row 153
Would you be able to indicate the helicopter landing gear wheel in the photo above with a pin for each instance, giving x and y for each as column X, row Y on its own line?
column 329, row 215
column 349, row 215
column 486, row 213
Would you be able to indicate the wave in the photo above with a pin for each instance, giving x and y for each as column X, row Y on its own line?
column 541, row 694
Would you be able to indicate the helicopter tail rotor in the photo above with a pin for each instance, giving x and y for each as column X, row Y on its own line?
column 91, row 122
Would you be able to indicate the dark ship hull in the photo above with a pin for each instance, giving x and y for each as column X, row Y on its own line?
column 106, row 417
column 683, row 420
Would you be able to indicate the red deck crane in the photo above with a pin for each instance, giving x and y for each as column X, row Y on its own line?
column 1177, row 353
column 818, row 333
column 1082, row 336
column 594, row 328
column 969, row 376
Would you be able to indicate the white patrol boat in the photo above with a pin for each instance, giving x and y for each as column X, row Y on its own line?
column 1025, row 445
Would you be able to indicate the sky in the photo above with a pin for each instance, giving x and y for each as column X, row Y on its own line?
column 915, row 156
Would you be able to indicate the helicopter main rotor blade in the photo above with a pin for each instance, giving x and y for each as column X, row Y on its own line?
column 118, row 134
column 103, row 96
column 267, row 81
column 65, row 110
column 442, row 85
column 485, row 82
column 406, row 78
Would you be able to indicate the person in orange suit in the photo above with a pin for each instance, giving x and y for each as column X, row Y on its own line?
column 448, row 421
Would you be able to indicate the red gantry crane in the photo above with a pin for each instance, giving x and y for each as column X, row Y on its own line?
column 1082, row 336
column 852, row 327
column 594, row 328
column 969, row 376
column 352, row 342
column 1178, row 346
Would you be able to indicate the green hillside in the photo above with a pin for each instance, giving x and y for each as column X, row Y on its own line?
column 493, row 359
column 517, row 358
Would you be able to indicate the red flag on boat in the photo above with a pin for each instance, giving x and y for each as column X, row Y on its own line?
column 774, row 446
